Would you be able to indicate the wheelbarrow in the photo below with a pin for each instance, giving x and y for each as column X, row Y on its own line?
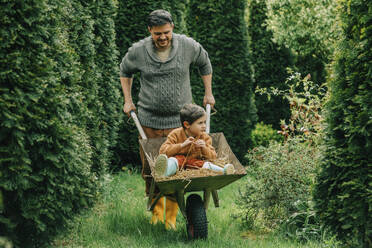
column 194, row 208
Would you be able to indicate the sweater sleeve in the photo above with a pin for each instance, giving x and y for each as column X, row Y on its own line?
column 208, row 151
column 171, row 146
column 201, row 59
column 128, row 64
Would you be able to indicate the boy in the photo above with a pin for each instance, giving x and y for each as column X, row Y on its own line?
column 187, row 147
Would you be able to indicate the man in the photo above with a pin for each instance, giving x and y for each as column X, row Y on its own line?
column 163, row 60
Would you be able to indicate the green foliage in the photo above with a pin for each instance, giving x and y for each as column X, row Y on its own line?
column 304, row 224
column 269, row 64
column 343, row 192
column 59, row 107
column 220, row 28
column 262, row 134
column 79, row 24
column 306, row 100
column 131, row 26
column 109, row 89
column 282, row 174
column 308, row 28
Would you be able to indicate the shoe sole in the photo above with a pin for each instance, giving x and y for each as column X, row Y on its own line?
column 161, row 165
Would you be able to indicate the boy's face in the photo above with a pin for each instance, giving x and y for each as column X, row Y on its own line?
column 197, row 127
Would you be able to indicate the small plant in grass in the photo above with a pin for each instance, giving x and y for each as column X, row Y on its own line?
column 303, row 224
column 282, row 174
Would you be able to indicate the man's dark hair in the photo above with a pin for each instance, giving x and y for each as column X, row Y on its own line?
column 190, row 113
column 159, row 17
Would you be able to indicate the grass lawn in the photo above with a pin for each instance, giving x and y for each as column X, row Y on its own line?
column 120, row 219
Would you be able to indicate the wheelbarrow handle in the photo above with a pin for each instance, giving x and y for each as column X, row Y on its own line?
column 208, row 122
column 138, row 125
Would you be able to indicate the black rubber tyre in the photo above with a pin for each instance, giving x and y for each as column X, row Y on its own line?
column 197, row 223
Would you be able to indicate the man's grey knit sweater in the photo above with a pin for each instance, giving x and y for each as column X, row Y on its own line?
column 165, row 86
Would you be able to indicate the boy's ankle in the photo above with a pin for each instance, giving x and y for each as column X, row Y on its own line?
column 228, row 169
column 172, row 167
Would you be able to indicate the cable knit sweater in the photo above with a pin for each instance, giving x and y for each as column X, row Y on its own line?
column 165, row 86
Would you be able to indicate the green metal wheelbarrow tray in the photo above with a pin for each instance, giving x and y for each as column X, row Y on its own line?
column 193, row 210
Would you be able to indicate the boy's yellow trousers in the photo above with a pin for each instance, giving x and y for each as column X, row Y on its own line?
column 171, row 210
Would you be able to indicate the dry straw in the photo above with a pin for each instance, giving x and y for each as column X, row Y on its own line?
column 189, row 173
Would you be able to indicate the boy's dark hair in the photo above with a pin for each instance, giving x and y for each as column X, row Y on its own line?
column 190, row 113
column 159, row 17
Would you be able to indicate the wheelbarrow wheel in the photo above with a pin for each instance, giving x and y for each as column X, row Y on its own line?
column 197, row 223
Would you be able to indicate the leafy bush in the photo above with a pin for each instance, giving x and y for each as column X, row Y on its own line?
column 306, row 100
column 263, row 134
column 282, row 174
column 308, row 28
column 295, row 21
column 343, row 192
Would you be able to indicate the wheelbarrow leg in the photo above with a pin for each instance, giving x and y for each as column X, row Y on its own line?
column 215, row 198
column 207, row 197
column 150, row 203
column 181, row 202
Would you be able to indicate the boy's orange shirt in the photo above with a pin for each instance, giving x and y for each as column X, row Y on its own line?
column 172, row 146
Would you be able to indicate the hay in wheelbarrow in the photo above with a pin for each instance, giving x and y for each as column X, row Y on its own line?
column 201, row 178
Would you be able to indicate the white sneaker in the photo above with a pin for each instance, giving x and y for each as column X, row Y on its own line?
column 161, row 165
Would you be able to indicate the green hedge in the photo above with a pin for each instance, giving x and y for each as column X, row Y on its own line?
column 108, row 99
column 343, row 192
column 269, row 64
column 220, row 28
column 59, row 112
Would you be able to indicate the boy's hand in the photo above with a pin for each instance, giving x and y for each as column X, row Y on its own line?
column 187, row 142
column 199, row 143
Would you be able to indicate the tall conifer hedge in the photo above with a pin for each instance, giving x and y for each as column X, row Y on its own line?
column 60, row 104
column 109, row 90
column 269, row 63
column 45, row 155
column 220, row 28
column 344, row 189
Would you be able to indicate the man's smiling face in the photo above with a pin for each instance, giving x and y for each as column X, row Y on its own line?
column 162, row 35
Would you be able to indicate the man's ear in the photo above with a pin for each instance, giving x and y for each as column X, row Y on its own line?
column 186, row 124
column 149, row 29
